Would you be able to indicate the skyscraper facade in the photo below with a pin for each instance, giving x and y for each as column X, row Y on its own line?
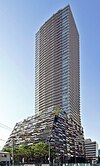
column 57, row 71
column 57, row 90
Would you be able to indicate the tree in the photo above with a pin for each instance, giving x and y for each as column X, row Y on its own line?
column 37, row 153
column 41, row 151
column 8, row 150
column 20, row 153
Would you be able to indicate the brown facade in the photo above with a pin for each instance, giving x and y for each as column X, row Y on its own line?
column 57, row 85
column 58, row 70
column 57, row 64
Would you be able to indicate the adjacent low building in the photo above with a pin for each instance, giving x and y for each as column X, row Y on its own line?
column 4, row 158
column 91, row 150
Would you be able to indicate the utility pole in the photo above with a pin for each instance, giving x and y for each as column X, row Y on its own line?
column 75, row 150
column 12, row 152
column 49, row 152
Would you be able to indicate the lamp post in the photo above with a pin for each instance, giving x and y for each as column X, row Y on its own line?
column 49, row 153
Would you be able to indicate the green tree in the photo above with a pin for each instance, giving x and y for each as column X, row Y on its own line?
column 8, row 150
column 22, row 152
column 37, row 152
column 41, row 151
column 19, row 153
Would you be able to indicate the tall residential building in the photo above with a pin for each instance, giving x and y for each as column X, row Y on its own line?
column 57, row 70
column 57, row 91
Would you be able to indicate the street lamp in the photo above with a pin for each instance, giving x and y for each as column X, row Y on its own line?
column 49, row 153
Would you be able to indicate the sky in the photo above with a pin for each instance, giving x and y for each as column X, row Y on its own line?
column 19, row 22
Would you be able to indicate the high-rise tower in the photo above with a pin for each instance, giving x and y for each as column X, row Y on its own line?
column 57, row 64
column 57, row 76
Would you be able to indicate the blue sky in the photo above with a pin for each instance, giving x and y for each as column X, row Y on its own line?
column 19, row 21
